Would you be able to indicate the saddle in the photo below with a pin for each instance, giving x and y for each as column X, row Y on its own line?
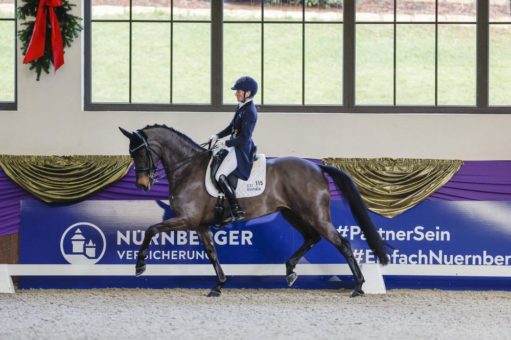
column 252, row 187
column 215, row 164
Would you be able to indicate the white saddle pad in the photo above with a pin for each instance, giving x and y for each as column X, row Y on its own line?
column 252, row 187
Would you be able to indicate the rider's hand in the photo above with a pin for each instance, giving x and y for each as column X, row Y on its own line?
column 213, row 139
column 220, row 144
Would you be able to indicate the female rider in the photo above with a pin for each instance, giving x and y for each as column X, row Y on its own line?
column 240, row 147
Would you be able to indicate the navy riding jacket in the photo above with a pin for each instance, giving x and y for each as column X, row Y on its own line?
column 240, row 129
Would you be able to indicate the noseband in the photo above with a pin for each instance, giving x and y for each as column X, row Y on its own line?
column 151, row 170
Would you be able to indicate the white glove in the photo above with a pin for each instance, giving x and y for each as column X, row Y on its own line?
column 220, row 144
column 213, row 139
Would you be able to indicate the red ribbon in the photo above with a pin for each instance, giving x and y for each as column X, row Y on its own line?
column 36, row 46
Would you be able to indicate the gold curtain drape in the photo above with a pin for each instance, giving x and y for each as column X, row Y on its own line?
column 60, row 179
column 388, row 186
column 392, row 186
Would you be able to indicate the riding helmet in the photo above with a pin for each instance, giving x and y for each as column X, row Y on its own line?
column 246, row 83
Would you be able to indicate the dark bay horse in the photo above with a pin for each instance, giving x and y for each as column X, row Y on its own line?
column 295, row 187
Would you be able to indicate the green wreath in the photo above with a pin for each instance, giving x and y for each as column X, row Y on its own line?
column 69, row 26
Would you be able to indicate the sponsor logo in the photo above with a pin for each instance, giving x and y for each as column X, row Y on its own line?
column 83, row 243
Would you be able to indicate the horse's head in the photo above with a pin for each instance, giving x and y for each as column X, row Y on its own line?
column 145, row 156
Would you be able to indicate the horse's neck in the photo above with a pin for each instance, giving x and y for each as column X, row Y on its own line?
column 176, row 150
column 179, row 157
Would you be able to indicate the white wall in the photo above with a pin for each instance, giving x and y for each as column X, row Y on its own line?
column 50, row 121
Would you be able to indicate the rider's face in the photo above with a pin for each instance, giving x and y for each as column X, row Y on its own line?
column 241, row 95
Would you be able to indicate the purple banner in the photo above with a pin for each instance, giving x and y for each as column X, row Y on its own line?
column 476, row 180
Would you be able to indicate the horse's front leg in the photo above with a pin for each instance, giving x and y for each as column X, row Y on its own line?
column 175, row 223
column 207, row 239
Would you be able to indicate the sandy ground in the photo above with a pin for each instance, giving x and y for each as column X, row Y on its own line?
column 253, row 314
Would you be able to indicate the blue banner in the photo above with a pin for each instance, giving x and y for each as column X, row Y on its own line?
column 433, row 234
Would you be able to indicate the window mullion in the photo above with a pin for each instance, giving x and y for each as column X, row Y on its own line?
column 130, row 63
column 303, row 52
column 394, row 66
column 217, row 53
column 261, row 90
column 171, row 61
column 482, row 53
column 15, row 56
column 87, row 23
column 436, row 53
column 349, row 55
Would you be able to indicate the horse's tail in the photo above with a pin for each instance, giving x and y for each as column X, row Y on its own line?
column 359, row 210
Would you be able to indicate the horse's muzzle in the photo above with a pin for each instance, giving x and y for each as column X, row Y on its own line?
column 143, row 183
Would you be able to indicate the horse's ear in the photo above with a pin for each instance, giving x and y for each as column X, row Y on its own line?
column 125, row 132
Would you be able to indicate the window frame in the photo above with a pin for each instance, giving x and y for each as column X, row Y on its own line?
column 13, row 106
column 488, row 26
column 348, row 62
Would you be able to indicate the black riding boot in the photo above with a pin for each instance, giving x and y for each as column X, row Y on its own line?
column 236, row 212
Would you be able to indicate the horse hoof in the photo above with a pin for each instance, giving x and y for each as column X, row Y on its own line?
column 139, row 270
column 214, row 293
column 291, row 278
column 357, row 292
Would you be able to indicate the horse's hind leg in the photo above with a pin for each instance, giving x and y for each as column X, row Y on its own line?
column 343, row 245
column 310, row 238
column 309, row 242
column 209, row 245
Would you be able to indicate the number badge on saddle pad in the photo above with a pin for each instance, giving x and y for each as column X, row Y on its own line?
column 252, row 187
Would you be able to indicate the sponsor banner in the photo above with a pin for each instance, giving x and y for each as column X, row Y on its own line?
column 434, row 233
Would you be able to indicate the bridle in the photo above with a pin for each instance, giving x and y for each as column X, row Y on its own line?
column 151, row 170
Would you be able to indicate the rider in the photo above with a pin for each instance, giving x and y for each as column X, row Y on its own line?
column 240, row 147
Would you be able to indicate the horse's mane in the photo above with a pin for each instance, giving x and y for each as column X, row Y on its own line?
column 180, row 134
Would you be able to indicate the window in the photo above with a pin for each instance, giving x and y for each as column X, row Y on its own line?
column 295, row 51
column 7, row 55
column 312, row 56
column 412, row 52
column 150, row 51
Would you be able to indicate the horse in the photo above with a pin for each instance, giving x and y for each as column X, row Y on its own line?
column 304, row 204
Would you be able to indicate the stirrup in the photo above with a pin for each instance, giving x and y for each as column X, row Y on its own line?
column 237, row 215
column 228, row 220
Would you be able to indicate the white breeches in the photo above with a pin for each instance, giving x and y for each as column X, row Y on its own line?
column 229, row 164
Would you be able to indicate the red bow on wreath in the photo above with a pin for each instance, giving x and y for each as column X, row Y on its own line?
column 36, row 46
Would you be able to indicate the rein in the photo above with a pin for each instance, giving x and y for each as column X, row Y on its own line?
column 152, row 169
column 189, row 159
column 185, row 161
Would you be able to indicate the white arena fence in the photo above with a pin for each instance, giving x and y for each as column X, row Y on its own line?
column 374, row 273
